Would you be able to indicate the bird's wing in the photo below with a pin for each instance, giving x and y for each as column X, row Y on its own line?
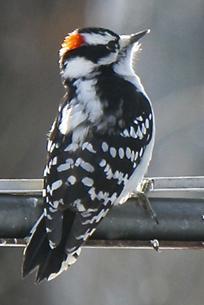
column 87, row 178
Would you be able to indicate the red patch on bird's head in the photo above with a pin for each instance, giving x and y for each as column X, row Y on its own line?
column 71, row 42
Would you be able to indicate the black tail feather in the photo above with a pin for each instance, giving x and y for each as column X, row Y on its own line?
column 51, row 263
column 35, row 248
column 39, row 254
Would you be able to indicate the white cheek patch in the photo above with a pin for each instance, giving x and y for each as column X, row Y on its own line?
column 112, row 57
column 77, row 67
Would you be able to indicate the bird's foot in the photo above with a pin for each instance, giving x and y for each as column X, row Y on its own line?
column 143, row 200
column 155, row 244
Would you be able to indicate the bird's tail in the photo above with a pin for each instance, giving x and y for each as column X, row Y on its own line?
column 38, row 253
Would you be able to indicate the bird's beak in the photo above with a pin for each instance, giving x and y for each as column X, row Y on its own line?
column 127, row 41
column 135, row 37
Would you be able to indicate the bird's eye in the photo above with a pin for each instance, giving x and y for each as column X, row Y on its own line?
column 112, row 46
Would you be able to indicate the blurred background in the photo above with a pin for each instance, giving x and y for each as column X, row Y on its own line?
column 171, row 66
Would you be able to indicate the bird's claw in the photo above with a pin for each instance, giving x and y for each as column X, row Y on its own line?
column 143, row 200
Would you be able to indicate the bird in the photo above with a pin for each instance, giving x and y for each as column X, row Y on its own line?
column 98, row 149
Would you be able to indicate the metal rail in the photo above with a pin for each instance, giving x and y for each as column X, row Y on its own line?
column 161, row 184
column 178, row 202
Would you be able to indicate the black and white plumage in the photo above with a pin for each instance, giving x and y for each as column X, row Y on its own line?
column 99, row 146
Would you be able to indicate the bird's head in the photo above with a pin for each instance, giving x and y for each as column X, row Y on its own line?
column 84, row 50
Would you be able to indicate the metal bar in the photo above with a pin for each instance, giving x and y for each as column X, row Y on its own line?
column 18, row 214
column 144, row 245
column 122, row 244
column 21, row 186
column 161, row 184
column 129, row 226
column 186, row 184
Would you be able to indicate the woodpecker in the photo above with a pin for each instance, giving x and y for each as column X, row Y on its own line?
column 99, row 146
